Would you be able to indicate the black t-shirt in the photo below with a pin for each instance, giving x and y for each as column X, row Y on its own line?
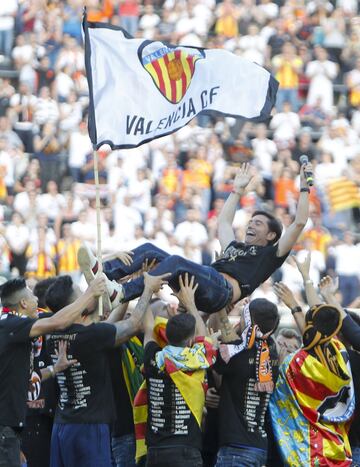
column 354, row 434
column 250, row 265
column 15, row 351
column 85, row 388
column 124, row 423
column 41, row 394
column 170, row 421
column 242, row 409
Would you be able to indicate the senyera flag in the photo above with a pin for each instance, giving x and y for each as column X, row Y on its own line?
column 141, row 89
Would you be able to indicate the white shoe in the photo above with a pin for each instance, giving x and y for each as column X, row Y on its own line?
column 89, row 266
column 88, row 263
column 115, row 291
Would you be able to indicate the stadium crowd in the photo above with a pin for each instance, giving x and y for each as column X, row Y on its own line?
column 170, row 192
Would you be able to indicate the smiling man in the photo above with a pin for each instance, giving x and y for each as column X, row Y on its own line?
column 241, row 269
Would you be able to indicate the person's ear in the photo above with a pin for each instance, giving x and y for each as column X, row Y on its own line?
column 271, row 236
column 23, row 304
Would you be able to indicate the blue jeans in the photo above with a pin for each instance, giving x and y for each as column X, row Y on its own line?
column 123, row 450
column 173, row 456
column 349, row 288
column 83, row 444
column 213, row 293
column 6, row 42
column 287, row 95
column 355, row 456
column 240, row 457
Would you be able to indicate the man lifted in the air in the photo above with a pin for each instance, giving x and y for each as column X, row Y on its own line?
column 243, row 266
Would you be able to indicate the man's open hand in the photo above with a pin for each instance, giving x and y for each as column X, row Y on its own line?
column 154, row 283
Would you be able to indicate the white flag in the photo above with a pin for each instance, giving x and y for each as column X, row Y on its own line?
column 141, row 89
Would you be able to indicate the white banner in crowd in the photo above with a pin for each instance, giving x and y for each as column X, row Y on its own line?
column 141, row 89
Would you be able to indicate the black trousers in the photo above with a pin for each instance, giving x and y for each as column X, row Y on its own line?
column 9, row 447
column 35, row 440
column 174, row 456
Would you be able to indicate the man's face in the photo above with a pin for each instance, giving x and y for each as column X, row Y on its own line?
column 257, row 232
column 29, row 304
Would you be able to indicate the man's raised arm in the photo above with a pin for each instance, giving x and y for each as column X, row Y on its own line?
column 65, row 317
column 130, row 327
column 292, row 233
column 226, row 217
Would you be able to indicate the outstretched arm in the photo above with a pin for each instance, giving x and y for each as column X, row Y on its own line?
column 186, row 296
column 65, row 317
column 312, row 296
column 283, row 292
column 148, row 326
column 226, row 217
column 292, row 233
column 130, row 327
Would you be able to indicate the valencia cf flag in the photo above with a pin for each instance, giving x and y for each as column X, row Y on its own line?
column 141, row 90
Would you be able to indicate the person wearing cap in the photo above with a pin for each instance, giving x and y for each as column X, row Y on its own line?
column 314, row 399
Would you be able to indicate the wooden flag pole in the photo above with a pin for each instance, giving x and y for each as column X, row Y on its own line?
column 98, row 224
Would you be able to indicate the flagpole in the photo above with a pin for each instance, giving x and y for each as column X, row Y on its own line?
column 98, row 223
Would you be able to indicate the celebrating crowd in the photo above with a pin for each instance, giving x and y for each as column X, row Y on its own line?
column 210, row 226
column 171, row 190
column 158, row 385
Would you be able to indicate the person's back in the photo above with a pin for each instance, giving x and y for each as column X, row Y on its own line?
column 249, row 369
column 242, row 408
column 170, row 419
column 175, row 392
column 85, row 388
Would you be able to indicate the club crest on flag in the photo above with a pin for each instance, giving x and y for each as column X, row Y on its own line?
column 171, row 68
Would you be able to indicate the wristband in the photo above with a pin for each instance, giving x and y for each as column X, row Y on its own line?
column 305, row 190
column 52, row 370
column 296, row 309
column 309, row 281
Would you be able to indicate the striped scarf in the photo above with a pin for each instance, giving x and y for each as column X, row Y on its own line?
column 251, row 336
column 131, row 361
column 311, row 407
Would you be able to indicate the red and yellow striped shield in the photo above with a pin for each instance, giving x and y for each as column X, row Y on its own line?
column 171, row 69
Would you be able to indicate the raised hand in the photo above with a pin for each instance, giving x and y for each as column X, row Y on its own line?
column 304, row 266
column 154, row 283
column 125, row 257
column 328, row 286
column 98, row 285
column 305, row 168
column 62, row 362
column 243, row 177
column 283, row 292
column 186, row 294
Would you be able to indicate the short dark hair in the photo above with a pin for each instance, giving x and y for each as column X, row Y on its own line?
column 265, row 314
column 59, row 294
column 179, row 328
column 273, row 224
column 9, row 289
column 40, row 290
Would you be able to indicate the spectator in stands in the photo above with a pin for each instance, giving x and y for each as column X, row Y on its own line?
column 321, row 72
column 287, row 67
